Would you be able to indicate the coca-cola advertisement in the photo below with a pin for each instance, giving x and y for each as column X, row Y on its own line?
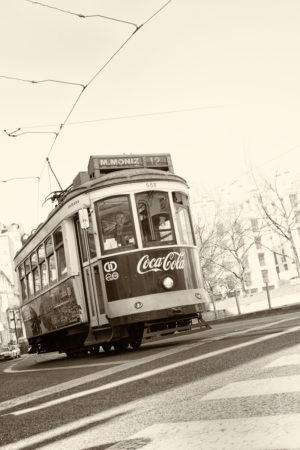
column 140, row 273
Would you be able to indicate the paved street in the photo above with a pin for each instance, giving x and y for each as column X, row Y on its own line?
column 236, row 386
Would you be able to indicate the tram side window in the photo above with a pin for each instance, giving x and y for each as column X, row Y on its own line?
column 182, row 217
column 43, row 266
column 115, row 223
column 60, row 253
column 155, row 218
column 23, row 282
column 35, row 272
column 90, row 242
column 29, row 279
column 52, row 272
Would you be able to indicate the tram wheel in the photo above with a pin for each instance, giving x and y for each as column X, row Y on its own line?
column 94, row 349
column 135, row 343
column 121, row 346
column 106, row 347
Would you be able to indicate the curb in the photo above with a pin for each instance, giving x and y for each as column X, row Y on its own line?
column 263, row 313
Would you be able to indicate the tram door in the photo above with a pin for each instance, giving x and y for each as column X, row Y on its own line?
column 91, row 274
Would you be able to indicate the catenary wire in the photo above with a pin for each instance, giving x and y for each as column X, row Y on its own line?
column 94, row 77
column 82, row 16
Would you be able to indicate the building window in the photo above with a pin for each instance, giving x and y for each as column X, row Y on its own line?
column 265, row 276
column 293, row 200
column 257, row 241
column 254, row 224
column 248, row 280
column 261, row 258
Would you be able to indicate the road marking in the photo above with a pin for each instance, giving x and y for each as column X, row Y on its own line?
column 271, row 432
column 138, row 376
column 83, row 366
column 58, row 388
column 265, row 386
column 287, row 360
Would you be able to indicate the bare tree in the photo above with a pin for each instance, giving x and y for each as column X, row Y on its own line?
column 281, row 212
column 224, row 249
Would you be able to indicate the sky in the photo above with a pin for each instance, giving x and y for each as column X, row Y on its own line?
column 214, row 83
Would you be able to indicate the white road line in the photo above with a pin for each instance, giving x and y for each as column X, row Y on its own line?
column 248, row 388
column 151, row 372
column 83, row 366
column 254, row 433
column 58, row 388
column 287, row 360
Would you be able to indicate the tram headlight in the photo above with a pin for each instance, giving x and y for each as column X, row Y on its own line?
column 168, row 282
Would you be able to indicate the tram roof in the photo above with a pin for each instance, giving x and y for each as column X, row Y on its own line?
column 114, row 178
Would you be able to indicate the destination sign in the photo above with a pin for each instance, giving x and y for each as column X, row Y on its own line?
column 104, row 164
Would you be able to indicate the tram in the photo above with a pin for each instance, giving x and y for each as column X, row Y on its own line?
column 115, row 261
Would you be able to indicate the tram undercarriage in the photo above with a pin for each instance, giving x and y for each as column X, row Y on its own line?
column 82, row 340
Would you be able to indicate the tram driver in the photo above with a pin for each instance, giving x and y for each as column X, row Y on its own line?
column 122, row 231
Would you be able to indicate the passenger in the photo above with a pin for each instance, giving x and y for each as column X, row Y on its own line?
column 121, row 233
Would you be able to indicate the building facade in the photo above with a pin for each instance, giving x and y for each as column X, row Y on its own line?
column 11, row 329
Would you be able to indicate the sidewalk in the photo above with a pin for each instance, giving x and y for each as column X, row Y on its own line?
column 283, row 299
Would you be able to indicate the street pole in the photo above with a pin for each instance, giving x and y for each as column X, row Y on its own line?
column 268, row 295
column 237, row 302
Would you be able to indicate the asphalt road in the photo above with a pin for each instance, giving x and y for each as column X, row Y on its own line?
column 236, row 386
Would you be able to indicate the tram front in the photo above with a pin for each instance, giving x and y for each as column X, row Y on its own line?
column 149, row 258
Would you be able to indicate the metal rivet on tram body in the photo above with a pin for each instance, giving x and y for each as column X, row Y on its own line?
column 138, row 305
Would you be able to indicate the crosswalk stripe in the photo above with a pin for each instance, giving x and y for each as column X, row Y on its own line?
column 254, row 433
column 287, row 360
column 248, row 388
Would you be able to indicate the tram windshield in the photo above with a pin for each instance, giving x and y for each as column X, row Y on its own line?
column 155, row 218
column 115, row 223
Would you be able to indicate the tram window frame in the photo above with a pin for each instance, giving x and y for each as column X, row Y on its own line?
column 157, row 234
column 23, row 283
column 29, row 278
column 91, row 242
column 43, row 266
column 35, row 272
column 61, row 263
column 110, row 238
column 181, row 205
column 51, row 258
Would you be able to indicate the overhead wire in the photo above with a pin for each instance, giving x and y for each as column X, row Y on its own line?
column 83, row 86
column 25, row 80
column 94, row 77
column 80, row 15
